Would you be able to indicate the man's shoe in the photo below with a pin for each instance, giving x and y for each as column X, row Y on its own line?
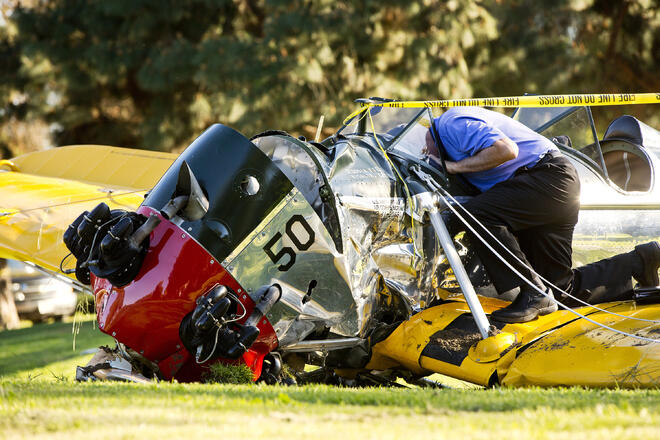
column 650, row 255
column 528, row 305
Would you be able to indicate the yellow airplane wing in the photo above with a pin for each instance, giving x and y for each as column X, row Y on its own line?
column 41, row 193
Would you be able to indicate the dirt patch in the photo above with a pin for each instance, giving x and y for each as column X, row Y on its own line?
column 456, row 339
column 452, row 343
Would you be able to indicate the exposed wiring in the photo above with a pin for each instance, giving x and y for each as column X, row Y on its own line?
column 69, row 271
column 62, row 269
column 215, row 344
column 113, row 219
column 236, row 318
column 219, row 325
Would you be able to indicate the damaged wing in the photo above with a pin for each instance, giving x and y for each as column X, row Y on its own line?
column 41, row 193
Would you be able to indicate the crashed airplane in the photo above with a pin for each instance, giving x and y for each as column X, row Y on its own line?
column 276, row 250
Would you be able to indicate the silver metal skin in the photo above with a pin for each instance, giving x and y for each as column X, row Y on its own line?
column 331, row 303
column 322, row 345
column 350, row 226
column 351, row 285
column 428, row 203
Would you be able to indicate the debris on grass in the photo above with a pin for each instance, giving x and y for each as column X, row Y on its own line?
column 233, row 374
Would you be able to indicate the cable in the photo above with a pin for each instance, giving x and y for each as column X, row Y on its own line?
column 215, row 344
column 411, row 201
column 219, row 325
column 113, row 219
column 4, row 214
column 66, row 271
column 535, row 287
column 528, row 267
column 238, row 301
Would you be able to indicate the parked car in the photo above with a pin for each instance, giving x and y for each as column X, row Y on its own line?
column 39, row 296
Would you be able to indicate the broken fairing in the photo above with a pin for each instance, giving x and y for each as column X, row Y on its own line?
column 383, row 254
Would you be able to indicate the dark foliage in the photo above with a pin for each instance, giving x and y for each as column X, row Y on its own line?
column 154, row 73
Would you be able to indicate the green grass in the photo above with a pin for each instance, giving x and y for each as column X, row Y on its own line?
column 49, row 349
column 235, row 374
column 40, row 399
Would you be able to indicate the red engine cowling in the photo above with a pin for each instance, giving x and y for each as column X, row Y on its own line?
column 145, row 314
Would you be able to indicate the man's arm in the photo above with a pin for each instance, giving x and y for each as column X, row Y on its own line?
column 501, row 151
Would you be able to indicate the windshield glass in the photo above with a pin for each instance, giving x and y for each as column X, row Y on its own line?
column 538, row 118
column 569, row 126
column 387, row 121
column 413, row 140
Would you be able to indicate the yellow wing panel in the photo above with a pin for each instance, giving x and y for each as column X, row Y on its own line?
column 35, row 211
column 582, row 353
column 110, row 167
column 47, row 190
column 554, row 350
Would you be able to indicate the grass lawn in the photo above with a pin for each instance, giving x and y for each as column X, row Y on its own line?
column 40, row 399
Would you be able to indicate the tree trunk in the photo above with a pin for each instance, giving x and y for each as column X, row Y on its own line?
column 8, row 314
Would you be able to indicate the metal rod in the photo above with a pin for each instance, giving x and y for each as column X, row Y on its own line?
column 327, row 344
column 461, row 275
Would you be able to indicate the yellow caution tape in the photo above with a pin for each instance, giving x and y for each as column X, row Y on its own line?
column 9, row 164
column 599, row 99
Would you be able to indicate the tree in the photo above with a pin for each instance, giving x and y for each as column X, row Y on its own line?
column 154, row 73
column 8, row 314
column 149, row 73
column 576, row 46
column 13, row 104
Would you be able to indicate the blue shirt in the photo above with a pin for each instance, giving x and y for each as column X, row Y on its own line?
column 465, row 131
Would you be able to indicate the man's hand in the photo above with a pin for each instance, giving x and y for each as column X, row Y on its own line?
column 503, row 150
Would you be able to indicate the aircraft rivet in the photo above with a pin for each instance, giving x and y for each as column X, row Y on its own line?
column 114, row 333
column 244, row 296
column 183, row 235
column 264, row 322
column 141, row 351
column 212, row 261
column 239, row 290
column 178, row 346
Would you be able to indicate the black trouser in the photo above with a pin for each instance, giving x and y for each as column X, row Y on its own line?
column 533, row 215
column 605, row 280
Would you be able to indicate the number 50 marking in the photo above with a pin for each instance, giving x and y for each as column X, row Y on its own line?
column 300, row 245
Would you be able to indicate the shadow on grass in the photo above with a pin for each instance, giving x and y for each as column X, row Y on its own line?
column 43, row 344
